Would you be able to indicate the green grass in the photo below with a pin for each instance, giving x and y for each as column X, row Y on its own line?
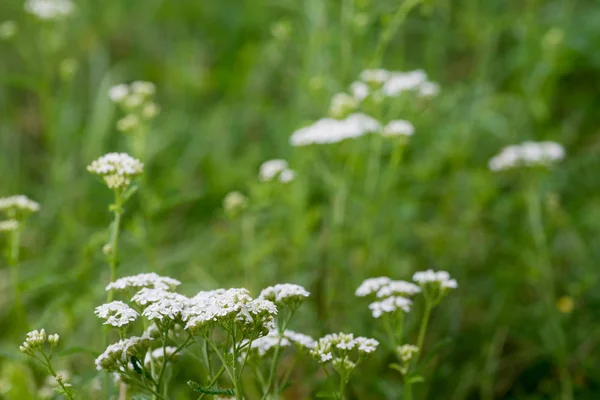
column 231, row 93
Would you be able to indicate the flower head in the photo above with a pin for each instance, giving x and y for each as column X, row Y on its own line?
column 527, row 154
column 117, row 355
column 398, row 127
column 341, row 103
column 407, row 351
column 372, row 285
column 234, row 202
column 277, row 168
column 18, row 205
column 9, row 225
column 328, row 130
column 49, row 9
column 117, row 169
column 440, row 277
column 340, row 345
column 116, row 313
column 398, row 287
column 284, row 294
column 146, row 280
column 390, row 305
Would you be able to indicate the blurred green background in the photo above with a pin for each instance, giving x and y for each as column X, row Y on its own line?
column 234, row 79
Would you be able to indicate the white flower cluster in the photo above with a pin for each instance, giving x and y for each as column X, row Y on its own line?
column 284, row 294
column 340, row 345
column 391, row 291
column 161, row 304
column 136, row 100
column 9, row 225
column 440, row 277
column 234, row 202
column 527, row 154
column 329, row 130
column 227, row 306
column 50, row 9
column 264, row 344
column 276, row 169
column 35, row 341
column 341, row 104
column 147, row 280
column 398, row 127
column 406, row 352
column 116, row 356
column 381, row 82
column 116, row 313
column 117, row 169
column 18, row 203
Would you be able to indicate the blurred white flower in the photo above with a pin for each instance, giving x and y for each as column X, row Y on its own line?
column 328, row 130
column 276, row 168
column 431, row 276
column 359, row 90
column 284, row 293
column 49, row 9
column 527, row 154
column 407, row 351
column 146, row 280
column 8, row 29
column 428, row 89
column 9, row 225
column 117, row 355
column 118, row 93
column 398, row 287
column 128, row 123
column 234, row 202
column 390, row 305
column 18, row 203
column 377, row 75
column 342, row 103
column 143, row 88
column 150, row 111
column 372, row 285
column 157, row 355
column 398, row 127
column 339, row 345
column 399, row 82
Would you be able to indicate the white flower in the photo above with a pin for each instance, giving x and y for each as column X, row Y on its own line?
column 276, row 168
column 128, row 123
column 527, row 154
column 399, row 82
column 160, row 304
column 147, row 280
column 133, row 100
column 342, row 103
column 118, row 93
column 117, row 355
column 407, row 351
column 398, row 127
column 9, row 225
column 284, row 293
column 300, row 339
column 117, row 169
column 430, row 276
column 263, row 344
column 150, row 110
column 234, row 202
column 390, row 305
column 398, row 287
column 53, row 339
column 116, row 313
column 428, row 89
column 372, row 285
column 18, row 203
column 377, row 75
column 340, row 345
column 49, row 9
column 143, row 88
column 360, row 90
column 328, row 130
column 366, row 345
column 34, row 341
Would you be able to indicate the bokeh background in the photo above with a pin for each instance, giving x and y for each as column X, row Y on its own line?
column 234, row 79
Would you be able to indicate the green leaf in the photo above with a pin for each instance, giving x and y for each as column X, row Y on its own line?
column 210, row 390
column 415, row 379
column 396, row 367
column 129, row 192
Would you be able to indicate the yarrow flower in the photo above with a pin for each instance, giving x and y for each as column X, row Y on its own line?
column 372, row 285
column 381, row 82
column 328, row 130
column 9, row 225
column 527, row 154
column 116, row 356
column 407, row 351
column 431, row 276
column 18, row 204
column 117, row 169
column 161, row 304
column 277, row 168
column 116, row 313
column 50, row 9
column 157, row 355
column 390, row 305
column 339, row 345
column 234, row 202
column 284, row 294
column 398, row 287
column 398, row 127
column 264, row 344
column 146, row 280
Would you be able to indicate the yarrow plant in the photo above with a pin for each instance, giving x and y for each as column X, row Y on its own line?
column 343, row 352
column 527, row 154
column 39, row 346
column 393, row 303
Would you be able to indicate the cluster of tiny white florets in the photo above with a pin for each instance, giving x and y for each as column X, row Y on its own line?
column 18, row 204
column 117, row 355
column 9, row 225
column 35, row 341
column 392, row 293
column 406, row 352
column 117, row 169
column 227, row 306
column 146, row 280
column 527, row 154
column 264, row 344
column 50, row 9
column 136, row 100
column 442, row 278
column 329, row 130
column 160, row 304
column 340, row 345
column 285, row 294
column 116, row 313
column 398, row 127
column 384, row 83
column 276, row 169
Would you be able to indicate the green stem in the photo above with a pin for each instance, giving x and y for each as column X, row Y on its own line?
column 113, row 259
column 66, row 390
column 407, row 388
column 275, row 361
column 423, row 328
column 13, row 260
column 213, row 381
